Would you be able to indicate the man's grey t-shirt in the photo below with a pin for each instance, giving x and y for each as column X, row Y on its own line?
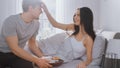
column 15, row 26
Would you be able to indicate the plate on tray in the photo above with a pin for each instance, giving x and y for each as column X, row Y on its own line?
column 54, row 61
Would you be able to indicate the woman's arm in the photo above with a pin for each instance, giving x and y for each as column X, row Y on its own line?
column 54, row 22
column 89, row 46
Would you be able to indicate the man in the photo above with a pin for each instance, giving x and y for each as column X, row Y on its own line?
column 16, row 31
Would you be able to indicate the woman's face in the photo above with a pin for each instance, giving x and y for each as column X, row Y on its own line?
column 76, row 17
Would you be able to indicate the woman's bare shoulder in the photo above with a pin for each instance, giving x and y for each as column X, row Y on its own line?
column 88, row 40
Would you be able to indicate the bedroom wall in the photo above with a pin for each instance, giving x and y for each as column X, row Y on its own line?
column 110, row 15
column 68, row 8
column 7, row 7
column 106, row 12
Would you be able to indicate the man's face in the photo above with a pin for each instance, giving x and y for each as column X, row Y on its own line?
column 35, row 12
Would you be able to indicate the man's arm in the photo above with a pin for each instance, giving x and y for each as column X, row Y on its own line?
column 33, row 45
column 13, row 44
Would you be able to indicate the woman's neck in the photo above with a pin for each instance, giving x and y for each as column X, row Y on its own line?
column 82, row 30
column 81, row 33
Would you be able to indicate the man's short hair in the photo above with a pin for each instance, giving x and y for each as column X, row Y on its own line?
column 27, row 3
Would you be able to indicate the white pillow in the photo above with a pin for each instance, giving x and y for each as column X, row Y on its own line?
column 108, row 34
column 98, row 50
column 113, row 48
column 50, row 45
column 55, row 39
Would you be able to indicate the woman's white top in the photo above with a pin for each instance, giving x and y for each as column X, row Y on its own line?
column 68, row 50
column 77, row 47
column 71, row 49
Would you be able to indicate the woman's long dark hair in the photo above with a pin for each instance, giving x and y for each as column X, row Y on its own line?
column 86, row 20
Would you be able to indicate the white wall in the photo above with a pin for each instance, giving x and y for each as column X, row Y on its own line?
column 110, row 15
column 68, row 8
column 7, row 7
column 106, row 12
column 95, row 7
column 60, row 10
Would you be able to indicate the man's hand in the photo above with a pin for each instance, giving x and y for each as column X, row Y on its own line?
column 82, row 65
column 42, row 63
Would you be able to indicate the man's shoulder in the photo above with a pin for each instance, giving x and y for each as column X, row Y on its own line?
column 11, row 19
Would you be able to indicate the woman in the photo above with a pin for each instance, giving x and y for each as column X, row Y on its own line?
column 83, row 34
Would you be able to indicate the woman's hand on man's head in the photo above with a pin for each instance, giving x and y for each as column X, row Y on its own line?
column 43, row 6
